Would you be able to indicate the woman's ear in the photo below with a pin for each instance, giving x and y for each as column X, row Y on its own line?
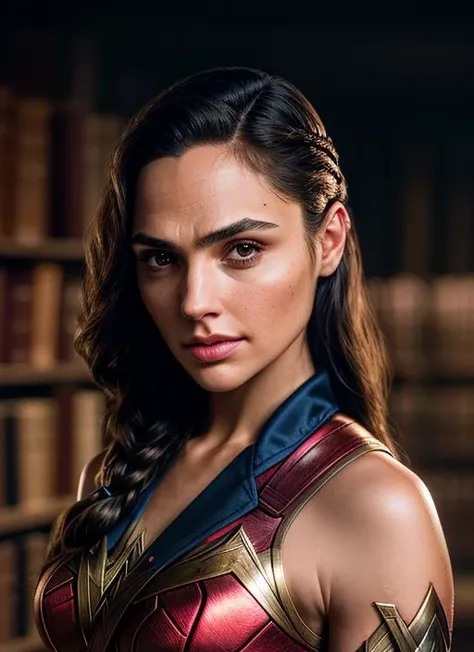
column 332, row 238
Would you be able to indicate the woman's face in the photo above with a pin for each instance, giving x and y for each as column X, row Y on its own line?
column 256, row 285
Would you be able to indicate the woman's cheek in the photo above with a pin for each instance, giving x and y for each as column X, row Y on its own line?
column 155, row 299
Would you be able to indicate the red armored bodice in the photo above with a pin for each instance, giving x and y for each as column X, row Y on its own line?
column 227, row 591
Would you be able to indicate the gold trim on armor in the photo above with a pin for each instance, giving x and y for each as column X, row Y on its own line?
column 310, row 637
column 234, row 555
column 97, row 571
column 427, row 632
column 261, row 574
column 38, row 599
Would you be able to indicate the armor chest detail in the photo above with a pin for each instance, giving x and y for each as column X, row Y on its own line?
column 227, row 593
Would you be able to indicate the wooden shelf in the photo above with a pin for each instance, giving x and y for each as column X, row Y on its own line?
column 69, row 372
column 20, row 517
column 442, row 464
column 464, row 597
column 435, row 380
column 50, row 249
column 31, row 643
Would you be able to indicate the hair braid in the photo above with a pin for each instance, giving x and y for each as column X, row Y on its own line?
column 153, row 405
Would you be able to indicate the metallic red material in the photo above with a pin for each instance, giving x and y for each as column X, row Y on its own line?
column 316, row 456
column 204, row 609
column 58, row 613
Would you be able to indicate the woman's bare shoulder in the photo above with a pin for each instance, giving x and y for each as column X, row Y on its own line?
column 87, row 480
column 373, row 494
column 376, row 484
column 383, row 542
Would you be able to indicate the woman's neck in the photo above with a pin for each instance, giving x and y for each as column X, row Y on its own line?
column 236, row 417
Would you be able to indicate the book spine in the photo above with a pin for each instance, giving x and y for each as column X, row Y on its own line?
column 8, row 591
column 3, row 454
column 37, row 450
column 45, row 318
column 65, row 484
column 71, row 303
column 3, row 314
column 32, row 171
column 10, row 471
column 17, row 335
column 7, row 169
column 35, row 545
column 88, row 409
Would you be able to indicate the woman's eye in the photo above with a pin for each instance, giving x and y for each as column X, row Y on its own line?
column 156, row 260
column 246, row 252
column 240, row 254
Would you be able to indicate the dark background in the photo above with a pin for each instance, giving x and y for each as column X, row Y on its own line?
column 379, row 77
column 394, row 85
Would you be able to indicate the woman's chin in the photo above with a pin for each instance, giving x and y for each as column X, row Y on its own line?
column 218, row 378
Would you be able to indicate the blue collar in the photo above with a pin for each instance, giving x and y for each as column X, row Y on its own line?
column 233, row 492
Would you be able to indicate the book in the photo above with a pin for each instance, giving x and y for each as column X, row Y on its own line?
column 71, row 304
column 42, row 303
column 436, row 423
column 8, row 591
column 32, row 171
column 45, row 444
column 35, row 545
column 403, row 304
column 7, row 150
column 64, row 476
column 453, row 495
column 81, row 146
column 3, row 454
column 37, row 450
column 102, row 132
column 9, row 474
column 451, row 325
column 87, row 413
column 45, row 315
column 3, row 314
column 16, row 344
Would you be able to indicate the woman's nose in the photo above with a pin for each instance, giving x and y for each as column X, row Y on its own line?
column 200, row 294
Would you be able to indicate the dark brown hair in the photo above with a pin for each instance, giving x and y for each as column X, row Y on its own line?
column 153, row 405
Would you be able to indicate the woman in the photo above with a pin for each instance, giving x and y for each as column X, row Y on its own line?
column 250, row 496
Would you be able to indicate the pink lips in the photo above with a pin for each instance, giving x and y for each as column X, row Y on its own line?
column 213, row 352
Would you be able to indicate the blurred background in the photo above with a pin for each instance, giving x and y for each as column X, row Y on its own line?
column 395, row 89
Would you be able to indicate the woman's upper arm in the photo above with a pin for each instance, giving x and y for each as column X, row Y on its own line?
column 387, row 547
column 87, row 482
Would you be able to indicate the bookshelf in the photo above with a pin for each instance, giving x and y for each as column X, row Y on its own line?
column 405, row 317
column 464, row 589
column 430, row 335
column 57, row 249
column 18, row 518
column 24, row 374
column 23, row 644
column 50, row 409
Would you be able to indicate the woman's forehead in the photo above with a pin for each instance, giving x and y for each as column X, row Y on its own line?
column 206, row 184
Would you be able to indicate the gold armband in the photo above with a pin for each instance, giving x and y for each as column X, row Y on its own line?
column 428, row 631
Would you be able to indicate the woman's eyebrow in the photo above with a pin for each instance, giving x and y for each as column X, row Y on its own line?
column 246, row 224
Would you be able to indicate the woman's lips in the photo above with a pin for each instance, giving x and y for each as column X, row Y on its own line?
column 213, row 352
